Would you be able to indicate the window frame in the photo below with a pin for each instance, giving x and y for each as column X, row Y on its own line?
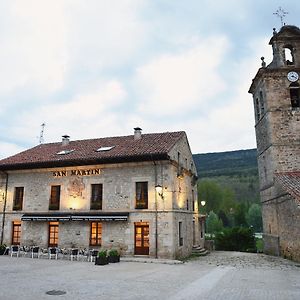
column 180, row 237
column 53, row 235
column 97, row 234
column 54, row 200
column 18, row 198
column 96, row 204
column 16, row 233
column 141, row 195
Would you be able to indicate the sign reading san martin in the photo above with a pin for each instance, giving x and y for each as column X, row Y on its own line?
column 86, row 172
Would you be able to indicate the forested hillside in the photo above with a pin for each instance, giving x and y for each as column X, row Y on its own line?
column 228, row 182
column 236, row 170
column 241, row 162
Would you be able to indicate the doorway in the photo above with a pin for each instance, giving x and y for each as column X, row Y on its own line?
column 141, row 238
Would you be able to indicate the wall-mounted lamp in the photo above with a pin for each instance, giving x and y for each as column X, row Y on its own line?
column 2, row 194
column 159, row 190
column 203, row 202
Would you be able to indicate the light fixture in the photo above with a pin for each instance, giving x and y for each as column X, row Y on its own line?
column 2, row 194
column 159, row 190
column 203, row 202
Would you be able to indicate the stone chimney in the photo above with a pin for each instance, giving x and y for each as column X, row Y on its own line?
column 137, row 133
column 65, row 140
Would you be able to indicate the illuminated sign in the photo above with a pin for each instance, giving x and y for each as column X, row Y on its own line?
column 87, row 172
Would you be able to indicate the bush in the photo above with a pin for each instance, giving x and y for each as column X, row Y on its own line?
column 102, row 253
column 2, row 249
column 113, row 252
column 236, row 239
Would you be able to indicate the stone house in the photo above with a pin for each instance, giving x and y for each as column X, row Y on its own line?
column 136, row 193
column 276, row 98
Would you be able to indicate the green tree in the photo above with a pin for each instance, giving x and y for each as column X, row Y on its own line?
column 213, row 223
column 254, row 217
column 211, row 193
column 240, row 215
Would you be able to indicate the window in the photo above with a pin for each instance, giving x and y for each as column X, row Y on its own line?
column 294, row 94
column 96, row 234
column 54, row 197
column 141, row 198
column 96, row 196
column 257, row 112
column 289, row 55
column 16, row 233
column 262, row 105
column 18, row 198
column 187, row 204
column 193, row 200
column 53, row 234
column 180, row 237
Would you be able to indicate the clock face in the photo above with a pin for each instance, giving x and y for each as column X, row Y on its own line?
column 292, row 76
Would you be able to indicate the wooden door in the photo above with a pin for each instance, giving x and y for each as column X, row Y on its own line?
column 141, row 241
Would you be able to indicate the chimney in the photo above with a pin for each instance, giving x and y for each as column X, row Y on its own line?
column 137, row 133
column 65, row 140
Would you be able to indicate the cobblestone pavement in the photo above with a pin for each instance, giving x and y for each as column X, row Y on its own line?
column 220, row 275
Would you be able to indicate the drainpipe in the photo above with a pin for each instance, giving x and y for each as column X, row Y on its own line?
column 4, row 208
column 156, row 213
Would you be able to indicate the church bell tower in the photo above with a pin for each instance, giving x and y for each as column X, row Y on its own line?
column 276, row 98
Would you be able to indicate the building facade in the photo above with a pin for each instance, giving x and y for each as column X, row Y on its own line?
column 135, row 193
column 276, row 97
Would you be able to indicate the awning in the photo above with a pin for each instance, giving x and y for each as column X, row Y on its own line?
column 103, row 217
column 99, row 218
column 46, row 217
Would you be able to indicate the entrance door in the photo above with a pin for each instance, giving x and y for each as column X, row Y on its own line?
column 141, row 241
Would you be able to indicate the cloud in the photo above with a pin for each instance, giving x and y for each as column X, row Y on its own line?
column 90, row 113
column 176, row 82
column 9, row 149
column 33, row 48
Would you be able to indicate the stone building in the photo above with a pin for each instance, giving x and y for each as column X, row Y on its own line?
column 276, row 96
column 136, row 193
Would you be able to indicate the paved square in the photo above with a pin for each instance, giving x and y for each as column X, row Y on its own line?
column 220, row 275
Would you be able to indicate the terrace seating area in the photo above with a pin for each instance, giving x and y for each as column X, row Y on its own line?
column 56, row 253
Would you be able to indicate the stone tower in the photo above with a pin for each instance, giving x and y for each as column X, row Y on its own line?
column 276, row 97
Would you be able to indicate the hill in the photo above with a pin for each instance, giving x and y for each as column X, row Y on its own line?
column 230, row 163
column 234, row 170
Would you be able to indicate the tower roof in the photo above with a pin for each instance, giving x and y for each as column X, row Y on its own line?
column 286, row 32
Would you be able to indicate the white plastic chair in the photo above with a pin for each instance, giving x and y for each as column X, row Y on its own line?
column 52, row 252
column 35, row 251
column 14, row 250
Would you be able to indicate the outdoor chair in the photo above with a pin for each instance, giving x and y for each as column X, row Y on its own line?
column 53, row 253
column 74, row 254
column 35, row 252
column 93, row 255
column 14, row 250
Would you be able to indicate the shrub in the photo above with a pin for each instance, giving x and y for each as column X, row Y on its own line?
column 113, row 252
column 102, row 253
column 236, row 239
column 2, row 249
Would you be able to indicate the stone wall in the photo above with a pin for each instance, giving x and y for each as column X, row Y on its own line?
column 118, row 181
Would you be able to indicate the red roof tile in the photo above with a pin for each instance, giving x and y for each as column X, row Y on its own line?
column 290, row 181
column 150, row 146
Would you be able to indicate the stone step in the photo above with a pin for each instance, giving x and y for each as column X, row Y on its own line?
column 199, row 251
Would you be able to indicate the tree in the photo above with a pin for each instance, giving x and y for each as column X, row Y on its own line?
column 254, row 217
column 240, row 215
column 213, row 223
column 211, row 193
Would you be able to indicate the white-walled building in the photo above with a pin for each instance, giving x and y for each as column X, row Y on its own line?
column 136, row 193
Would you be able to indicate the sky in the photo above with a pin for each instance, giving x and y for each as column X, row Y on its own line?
column 99, row 68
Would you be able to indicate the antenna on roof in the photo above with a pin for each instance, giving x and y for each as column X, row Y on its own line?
column 42, row 133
